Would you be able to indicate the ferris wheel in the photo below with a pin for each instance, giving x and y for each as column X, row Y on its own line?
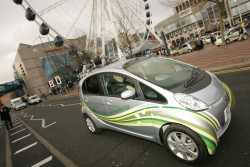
column 100, row 20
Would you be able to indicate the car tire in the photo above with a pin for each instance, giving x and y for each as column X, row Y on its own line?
column 91, row 126
column 185, row 144
column 227, row 41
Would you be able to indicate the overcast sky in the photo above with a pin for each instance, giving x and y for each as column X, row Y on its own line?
column 15, row 29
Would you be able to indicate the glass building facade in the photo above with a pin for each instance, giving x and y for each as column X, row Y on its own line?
column 59, row 64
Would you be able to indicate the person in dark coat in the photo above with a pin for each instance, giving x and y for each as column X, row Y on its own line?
column 5, row 116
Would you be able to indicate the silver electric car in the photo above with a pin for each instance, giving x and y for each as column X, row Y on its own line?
column 161, row 100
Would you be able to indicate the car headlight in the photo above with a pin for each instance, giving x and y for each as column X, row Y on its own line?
column 190, row 102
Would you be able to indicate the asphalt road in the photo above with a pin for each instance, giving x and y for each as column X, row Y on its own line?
column 68, row 134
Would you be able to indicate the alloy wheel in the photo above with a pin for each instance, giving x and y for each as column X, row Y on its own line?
column 183, row 146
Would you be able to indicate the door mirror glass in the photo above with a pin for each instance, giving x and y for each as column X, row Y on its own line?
column 128, row 94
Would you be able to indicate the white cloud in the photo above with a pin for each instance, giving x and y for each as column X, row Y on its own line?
column 6, row 71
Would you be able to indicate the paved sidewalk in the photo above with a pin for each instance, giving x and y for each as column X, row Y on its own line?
column 215, row 58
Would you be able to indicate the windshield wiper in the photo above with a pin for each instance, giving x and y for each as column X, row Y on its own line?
column 194, row 76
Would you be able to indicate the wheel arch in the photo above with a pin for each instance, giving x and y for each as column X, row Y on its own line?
column 210, row 145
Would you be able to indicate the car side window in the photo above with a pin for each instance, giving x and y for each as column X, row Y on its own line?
column 151, row 95
column 93, row 86
column 115, row 84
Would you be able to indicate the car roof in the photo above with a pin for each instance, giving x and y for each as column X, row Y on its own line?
column 115, row 67
column 16, row 99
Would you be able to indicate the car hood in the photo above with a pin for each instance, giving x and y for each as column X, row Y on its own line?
column 212, row 93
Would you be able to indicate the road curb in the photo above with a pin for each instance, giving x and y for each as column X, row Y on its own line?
column 230, row 67
column 60, row 156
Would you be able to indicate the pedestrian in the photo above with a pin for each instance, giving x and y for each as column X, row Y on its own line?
column 5, row 116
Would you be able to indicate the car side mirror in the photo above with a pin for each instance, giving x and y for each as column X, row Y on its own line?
column 128, row 94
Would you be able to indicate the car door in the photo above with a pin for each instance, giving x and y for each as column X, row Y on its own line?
column 114, row 84
column 93, row 94
column 121, row 109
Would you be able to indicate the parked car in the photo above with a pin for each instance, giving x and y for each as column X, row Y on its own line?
column 218, row 41
column 35, row 99
column 18, row 104
column 206, row 39
column 231, row 35
column 185, row 48
column 173, row 52
column 161, row 100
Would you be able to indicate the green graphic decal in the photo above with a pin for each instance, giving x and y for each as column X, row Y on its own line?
column 231, row 95
column 143, row 116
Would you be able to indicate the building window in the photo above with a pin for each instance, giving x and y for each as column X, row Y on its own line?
column 191, row 2
column 184, row 6
column 187, row 4
column 180, row 8
column 177, row 9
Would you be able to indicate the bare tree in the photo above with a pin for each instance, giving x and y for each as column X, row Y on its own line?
column 125, row 35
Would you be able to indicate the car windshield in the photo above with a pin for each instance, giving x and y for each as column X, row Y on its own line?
column 163, row 72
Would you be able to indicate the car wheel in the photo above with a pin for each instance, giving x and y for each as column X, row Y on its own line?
column 91, row 125
column 227, row 41
column 189, row 51
column 185, row 144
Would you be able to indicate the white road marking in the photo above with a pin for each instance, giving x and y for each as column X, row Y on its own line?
column 21, row 138
column 26, row 148
column 17, row 127
column 43, row 122
column 43, row 162
column 46, row 126
column 18, row 132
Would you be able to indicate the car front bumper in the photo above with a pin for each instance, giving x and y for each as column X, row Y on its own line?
column 228, row 116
